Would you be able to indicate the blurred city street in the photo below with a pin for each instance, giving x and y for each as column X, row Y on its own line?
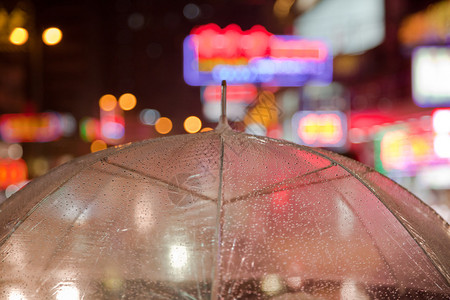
column 367, row 79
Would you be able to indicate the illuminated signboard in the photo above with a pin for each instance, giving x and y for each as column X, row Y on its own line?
column 235, row 93
column 212, row 54
column 12, row 172
column 406, row 147
column 431, row 76
column 441, row 128
column 320, row 128
column 43, row 127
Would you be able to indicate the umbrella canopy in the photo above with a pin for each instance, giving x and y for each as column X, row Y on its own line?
column 220, row 215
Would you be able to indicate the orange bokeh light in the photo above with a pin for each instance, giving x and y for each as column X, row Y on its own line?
column 51, row 36
column 127, row 101
column 18, row 36
column 163, row 125
column 108, row 102
column 98, row 145
column 192, row 124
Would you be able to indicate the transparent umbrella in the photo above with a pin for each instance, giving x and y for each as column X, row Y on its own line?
column 220, row 215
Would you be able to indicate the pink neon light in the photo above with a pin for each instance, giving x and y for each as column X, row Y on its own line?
column 233, row 43
column 304, row 49
column 235, row 93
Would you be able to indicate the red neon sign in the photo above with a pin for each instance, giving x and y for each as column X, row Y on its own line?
column 320, row 129
column 235, row 93
column 44, row 127
column 212, row 54
column 231, row 41
column 231, row 45
column 12, row 172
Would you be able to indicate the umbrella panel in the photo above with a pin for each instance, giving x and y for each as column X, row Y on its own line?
column 106, row 232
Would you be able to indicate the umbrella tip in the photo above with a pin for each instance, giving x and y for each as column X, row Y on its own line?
column 223, row 121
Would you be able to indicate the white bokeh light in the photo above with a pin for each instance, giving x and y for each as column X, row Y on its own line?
column 67, row 292
column 178, row 256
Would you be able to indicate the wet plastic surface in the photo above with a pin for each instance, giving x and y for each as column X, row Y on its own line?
column 220, row 215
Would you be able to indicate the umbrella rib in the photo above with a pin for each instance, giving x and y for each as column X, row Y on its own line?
column 218, row 235
column 272, row 187
column 162, row 181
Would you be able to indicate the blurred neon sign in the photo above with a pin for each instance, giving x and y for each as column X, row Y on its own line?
column 406, row 147
column 212, row 54
column 43, row 127
column 112, row 126
column 235, row 93
column 90, row 129
column 320, row 128
column 441, row 128
column 12, row 172
column 398, row 149
column 431, row 76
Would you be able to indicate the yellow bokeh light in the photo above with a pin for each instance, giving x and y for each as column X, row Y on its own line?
column 163, row 125
column 206, row 129
column 51, row 36
column 107, row 102
column 98, row 145
column 192, row 124
column 18, row 36
column 127, row 101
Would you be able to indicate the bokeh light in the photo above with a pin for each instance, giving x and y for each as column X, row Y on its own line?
column 149, row 116
column 89, row 129
column 282, row 8
column 192, row 124
column 98, row 145
column 127, row 101
column 9, row 191
column 113, row 129
column 18, row 36
column 191, row 11
column 39, row 166
column 68, row 124
column 206, row 129
column 15, row 294
column 67, row 292
column 272, row 284
column 136, row 21
column 107, row 102
column 15, row 151
column 51, row 36
column 163, row 125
